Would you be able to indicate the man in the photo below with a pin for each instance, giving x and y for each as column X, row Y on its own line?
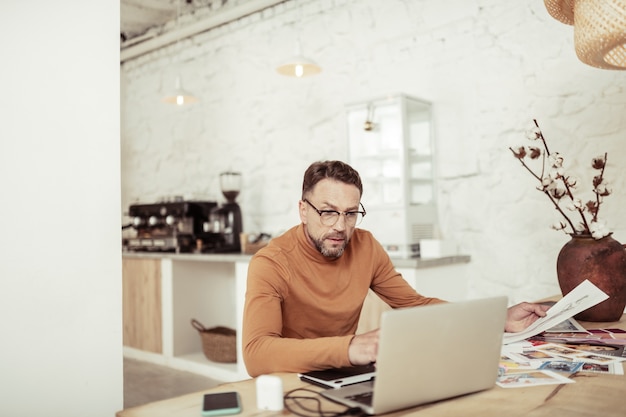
column 306, row 288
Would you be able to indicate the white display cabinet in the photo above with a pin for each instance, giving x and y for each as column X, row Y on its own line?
column 391, row 145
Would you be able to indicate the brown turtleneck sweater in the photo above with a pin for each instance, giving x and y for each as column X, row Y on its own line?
column 302, row 309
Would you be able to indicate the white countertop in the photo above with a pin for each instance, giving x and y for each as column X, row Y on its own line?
column 240, row 257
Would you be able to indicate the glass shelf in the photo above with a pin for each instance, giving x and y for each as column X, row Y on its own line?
column 391, row 144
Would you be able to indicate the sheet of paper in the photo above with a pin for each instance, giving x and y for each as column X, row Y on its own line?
column 584, row 296
column 568, row 326
column 523, row 379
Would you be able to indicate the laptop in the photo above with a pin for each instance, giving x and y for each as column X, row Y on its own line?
column 430, row 353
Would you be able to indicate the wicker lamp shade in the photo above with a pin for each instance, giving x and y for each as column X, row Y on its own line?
column 561, row 10
column 599, row 29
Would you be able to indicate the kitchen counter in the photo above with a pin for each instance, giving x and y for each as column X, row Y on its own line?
column 417, row 263
column 204, row 257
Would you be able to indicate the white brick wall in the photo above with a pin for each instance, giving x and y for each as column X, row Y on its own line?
column 488, row 66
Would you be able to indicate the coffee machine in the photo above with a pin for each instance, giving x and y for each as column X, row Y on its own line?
column 225, row 220
column 169, row 226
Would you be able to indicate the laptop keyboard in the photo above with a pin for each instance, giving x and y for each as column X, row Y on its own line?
column 362, row 398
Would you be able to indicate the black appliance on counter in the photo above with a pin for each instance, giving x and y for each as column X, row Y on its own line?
column 184, row 227
column 188, row 226
column 171, row 226
column 225, row 221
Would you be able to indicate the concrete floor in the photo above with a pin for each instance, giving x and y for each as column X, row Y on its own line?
column 146, row 382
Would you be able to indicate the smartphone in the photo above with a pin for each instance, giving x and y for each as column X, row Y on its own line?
column 221, row 403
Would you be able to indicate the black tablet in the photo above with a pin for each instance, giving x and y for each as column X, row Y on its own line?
column 340, row 377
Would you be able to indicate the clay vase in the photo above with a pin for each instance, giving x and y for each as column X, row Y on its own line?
column 602, row 262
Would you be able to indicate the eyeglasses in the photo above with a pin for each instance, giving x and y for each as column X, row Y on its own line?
column 330, row 217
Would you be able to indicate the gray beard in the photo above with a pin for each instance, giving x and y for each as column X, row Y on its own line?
column 332, row 253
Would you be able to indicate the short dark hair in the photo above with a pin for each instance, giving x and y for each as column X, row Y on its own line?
column 335, row 170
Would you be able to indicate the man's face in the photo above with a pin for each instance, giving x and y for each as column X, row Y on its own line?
column 329, row 194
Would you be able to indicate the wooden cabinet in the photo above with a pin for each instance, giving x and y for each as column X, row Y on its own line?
column 141, row 303
column 162, row 292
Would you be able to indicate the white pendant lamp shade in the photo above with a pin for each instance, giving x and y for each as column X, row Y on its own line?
column 299, row 66
column 180, row 96
column 599, row 29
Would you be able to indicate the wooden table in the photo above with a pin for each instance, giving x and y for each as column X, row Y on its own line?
column 592, row 395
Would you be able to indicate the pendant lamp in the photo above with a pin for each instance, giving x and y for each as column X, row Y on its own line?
column 599, row 29
column 179, row 95
column 299, row 66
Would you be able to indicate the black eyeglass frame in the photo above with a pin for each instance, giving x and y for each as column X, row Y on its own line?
column 338, row 213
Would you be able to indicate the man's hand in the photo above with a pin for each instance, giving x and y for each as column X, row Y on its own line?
column 363, row 348
column 522, row 315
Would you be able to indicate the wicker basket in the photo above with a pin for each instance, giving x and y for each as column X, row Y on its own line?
column 219, row 344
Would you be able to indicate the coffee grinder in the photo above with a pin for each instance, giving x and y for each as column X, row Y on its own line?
column 226, row 219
